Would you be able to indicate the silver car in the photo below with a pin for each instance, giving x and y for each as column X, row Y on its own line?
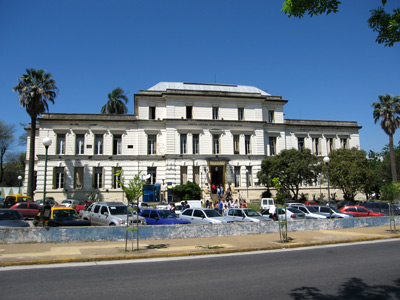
column 334, row 213
column 244, row 215
column 292, row 214
column 203, row 215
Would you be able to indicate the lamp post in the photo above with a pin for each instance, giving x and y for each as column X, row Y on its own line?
column 46, row 143
column 326, row 161
column 19, row 181
column 247, row 183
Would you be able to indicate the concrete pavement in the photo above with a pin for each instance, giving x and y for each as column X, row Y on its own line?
column 47, row 253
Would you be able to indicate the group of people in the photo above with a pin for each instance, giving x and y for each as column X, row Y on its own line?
column 223, row 204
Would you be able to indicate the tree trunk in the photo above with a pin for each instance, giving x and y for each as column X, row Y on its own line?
column 31, row 161
column 392, row 159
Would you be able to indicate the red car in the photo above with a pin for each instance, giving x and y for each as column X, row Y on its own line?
column 360, row 211
column 311, row 203
column 27, row 209
column 83, row 205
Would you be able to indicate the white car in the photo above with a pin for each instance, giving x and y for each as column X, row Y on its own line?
column 292, row 214
column 203, row 215
column 244, row 215
column 310, row 211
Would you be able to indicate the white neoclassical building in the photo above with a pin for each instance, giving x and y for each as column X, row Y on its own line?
column 205, row 133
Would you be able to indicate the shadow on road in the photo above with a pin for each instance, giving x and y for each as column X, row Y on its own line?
column 354, row 288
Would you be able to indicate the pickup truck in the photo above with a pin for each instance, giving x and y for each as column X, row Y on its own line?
column 110, row 214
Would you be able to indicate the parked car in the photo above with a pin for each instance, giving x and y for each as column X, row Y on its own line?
column 380, row 207
column 360, row 211
column 12, row 218
column 334, row 213
column 311, row 203
column 161, row 217
column 49, row 201
column 10, row 200
column 27, row 209
column 83, row 205
column 244, row 215
column 110, row 214
column 203, row 215
column 70, row 203
column 310, row 211
column 292, row 214
column 61, row 216
column 266, row 203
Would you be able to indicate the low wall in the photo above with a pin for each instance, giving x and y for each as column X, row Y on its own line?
column 112, row 233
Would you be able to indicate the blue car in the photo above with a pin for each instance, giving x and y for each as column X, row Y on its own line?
column 161, row 217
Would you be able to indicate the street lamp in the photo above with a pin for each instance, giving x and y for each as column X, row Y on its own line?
column 247, row 183
column 46, row 143
column 19, row 180
column 326, row 161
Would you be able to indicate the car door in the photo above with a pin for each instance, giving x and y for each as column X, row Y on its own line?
column 33, row 210
column 23, row 209
column 198, row 217
column 94, row 215
column 104, row 216
column 154, row 218
column 239, row 216
column 187, row 215
column 362, row 212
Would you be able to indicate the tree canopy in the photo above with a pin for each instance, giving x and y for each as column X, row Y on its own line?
column 292, row 167
column 116, row 103
column 387, row 25
column 6, row 141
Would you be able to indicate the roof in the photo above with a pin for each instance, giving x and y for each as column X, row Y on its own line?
column 230, row 88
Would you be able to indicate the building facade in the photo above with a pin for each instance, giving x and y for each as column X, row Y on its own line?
column 204, row 133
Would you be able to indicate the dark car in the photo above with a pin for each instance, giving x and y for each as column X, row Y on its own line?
column 12, row 218
column 380, row 207
column 161, row 217
column 27, row 210
column 61, row 216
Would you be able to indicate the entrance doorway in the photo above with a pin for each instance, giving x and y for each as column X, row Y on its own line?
column 217, row 175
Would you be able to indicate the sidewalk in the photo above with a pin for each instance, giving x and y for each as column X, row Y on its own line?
column 35, row 253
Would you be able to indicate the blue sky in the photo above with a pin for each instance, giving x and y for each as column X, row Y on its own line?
column 327, row 67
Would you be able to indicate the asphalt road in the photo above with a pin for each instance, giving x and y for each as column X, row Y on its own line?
column 353, row 271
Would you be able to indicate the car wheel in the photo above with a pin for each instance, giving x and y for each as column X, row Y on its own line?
column 112, row 224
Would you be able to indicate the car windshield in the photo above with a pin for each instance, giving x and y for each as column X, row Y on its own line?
column 251, row 212
column 211, row 213
column 166, row 214
column 311, row 209
column 10, row 215
column 64, row 214
column 118, row 210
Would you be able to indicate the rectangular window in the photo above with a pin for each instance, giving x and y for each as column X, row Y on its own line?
column 151, row 144
column 152, row 112
column 152, row 171
column 61, row 144
column 189, row 110
column 183, row 143
column 196, row 144
column 98, row 144
column 216, row 144
column 316, row 146
column 80, row 143
column 247, row 144
column 117, row 145
column 97, row 178
column 272, row 146
column 271, row 116
column 330, row 145
column 240, row 113
column 236, row 144
column 237, row 176
column 300, row 143
column 184, row 175
column 196, row 175
column 78, row 178
column 215, row 114
column 116, row 177
column 59, row 177
column 249, row 176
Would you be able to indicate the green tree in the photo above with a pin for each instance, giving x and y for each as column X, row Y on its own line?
column 35, row 88
column 116, row 104
column 388, row 111
column 348, row 171
column 292, row 167
column 377, row 174
column 14, row 166
column 133, row 189
column 6, row 141
column 188, row 191
column 385, row 24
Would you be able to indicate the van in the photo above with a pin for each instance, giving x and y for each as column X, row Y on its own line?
column 266, row 203
column 10, row 200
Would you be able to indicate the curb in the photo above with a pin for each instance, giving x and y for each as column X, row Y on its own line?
column 190, row 253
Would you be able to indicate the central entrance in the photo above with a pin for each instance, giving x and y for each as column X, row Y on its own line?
column 217, row 173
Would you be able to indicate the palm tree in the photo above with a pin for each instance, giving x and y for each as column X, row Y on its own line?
column 116, row 103
column 35, row 89
column 388, row 110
